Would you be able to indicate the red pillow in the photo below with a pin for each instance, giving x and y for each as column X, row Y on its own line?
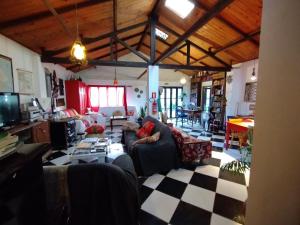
column 95, row 129
column 146, row 130
column 130, row 113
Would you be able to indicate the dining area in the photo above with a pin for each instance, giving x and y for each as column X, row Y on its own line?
column 192, row 116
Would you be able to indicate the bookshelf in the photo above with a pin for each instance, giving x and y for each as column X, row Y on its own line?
column 218, row 99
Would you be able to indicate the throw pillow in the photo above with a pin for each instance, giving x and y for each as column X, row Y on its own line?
column 130, row 113
column 95, row 129
column 147, row 140
column 130, row 126
column 146, row 130
column 117, row 113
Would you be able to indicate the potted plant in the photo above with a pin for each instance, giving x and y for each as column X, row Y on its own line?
column 242, row 164
column 142, row 115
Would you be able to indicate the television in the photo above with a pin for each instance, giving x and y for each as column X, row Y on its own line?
column 9, row 109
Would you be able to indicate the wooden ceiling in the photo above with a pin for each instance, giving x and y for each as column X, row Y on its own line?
column 232, row 35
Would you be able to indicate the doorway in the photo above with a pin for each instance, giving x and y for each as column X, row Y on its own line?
column 170, row 98
column 206, row 100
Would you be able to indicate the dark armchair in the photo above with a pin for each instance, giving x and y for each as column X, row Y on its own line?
column 155, row 157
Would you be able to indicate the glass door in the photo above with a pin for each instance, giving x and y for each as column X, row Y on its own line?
column 170, row 99
column 206, row 100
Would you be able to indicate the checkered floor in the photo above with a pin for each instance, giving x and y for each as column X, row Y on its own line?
column 193, row 194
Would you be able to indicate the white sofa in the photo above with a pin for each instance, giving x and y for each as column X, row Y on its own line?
column 80, row 123
column 107, row 112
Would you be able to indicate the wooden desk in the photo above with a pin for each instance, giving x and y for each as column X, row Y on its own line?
column 40, row 132
column 237, row 125
column 192, row 112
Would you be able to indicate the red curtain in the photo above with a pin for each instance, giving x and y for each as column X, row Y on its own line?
column 125, row 101
column 102, row 96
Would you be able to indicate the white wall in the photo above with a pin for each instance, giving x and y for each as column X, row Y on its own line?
column 274, row 191
column 128, row 76
column 25, row 59
column 235, row 91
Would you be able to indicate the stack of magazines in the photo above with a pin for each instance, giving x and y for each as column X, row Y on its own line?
column 8, row 144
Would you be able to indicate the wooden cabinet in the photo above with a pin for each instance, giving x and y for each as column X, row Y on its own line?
column 41, row 133
column 76, row 95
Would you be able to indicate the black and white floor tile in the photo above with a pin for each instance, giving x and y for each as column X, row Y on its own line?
column 195, row 195
column 191, row 195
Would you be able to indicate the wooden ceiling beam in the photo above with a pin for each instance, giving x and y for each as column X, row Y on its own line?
column 132, row 49
column 46, row 14
column 59, row 19
column 87, row 40
column 196, row 26
column 231, row 44
column 110, row 43
column 182, row 52
column 97, row 62
column 226, row 22
column 152, row 14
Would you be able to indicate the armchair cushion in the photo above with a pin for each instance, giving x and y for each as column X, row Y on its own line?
column 146, row 130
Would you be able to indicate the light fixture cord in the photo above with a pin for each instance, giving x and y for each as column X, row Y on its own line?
column 77, row 26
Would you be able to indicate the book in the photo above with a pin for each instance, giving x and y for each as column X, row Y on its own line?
column 84, row 145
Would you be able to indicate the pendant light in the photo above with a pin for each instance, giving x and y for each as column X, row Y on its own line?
column 115, row 80
column 78, row 50
column 253, row 77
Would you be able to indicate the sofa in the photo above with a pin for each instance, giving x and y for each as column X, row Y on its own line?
column 109, row 194
column 82, row 121
column 108, row 111
column 160, row 156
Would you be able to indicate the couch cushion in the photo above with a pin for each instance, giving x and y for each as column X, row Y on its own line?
column 148, row 140
column 146, row 130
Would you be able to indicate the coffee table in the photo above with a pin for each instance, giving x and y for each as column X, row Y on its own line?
column 113, row 118
column 104, row 154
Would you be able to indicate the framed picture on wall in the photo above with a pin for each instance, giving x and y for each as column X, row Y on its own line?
column 250, row 92
column 6, row 74
column 25, row 80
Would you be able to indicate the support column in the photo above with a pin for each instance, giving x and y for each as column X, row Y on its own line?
column 152, row 86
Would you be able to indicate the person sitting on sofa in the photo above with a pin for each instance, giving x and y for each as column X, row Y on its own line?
column 158, row 156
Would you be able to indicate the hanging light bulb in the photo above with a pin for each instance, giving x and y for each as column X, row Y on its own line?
column 253, row 77
column 78, row 50
column 183, row 81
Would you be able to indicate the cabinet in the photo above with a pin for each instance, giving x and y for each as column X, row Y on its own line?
column 37, row 132
column 62, row 133
column 41, row 133
column 76, row 96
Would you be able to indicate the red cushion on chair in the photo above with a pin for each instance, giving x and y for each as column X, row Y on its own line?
column 95, row 129
column 146, row 130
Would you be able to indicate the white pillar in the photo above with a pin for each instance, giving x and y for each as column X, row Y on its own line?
column 152, row 86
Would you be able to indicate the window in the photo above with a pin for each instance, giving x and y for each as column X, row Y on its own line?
column 106, row 96
column 181, row 7
column 170, row 98
column 161, row 34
